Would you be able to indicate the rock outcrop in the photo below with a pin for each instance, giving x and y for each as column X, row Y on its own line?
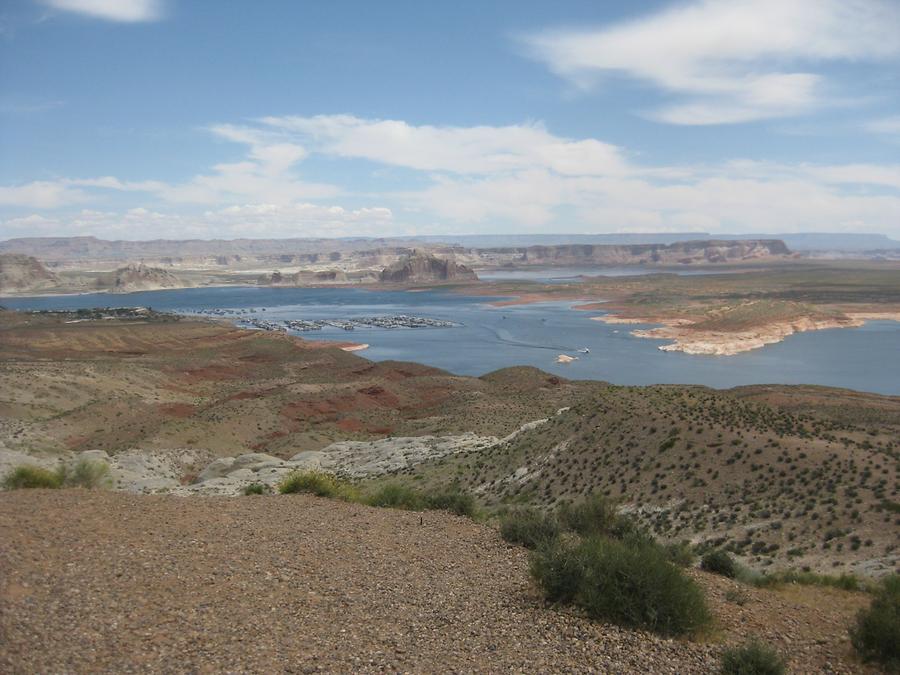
column 426, row 268
column 304, row 278
column 22, row 273
column 138, row 277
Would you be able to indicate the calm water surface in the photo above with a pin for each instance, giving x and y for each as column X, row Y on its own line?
column 487, row 338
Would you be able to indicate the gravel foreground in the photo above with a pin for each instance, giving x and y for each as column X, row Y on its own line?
column 103, row 581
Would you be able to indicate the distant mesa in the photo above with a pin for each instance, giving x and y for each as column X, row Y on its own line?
column 24, row 273
column 138, row 277
column 704, row 251
column 422, row 267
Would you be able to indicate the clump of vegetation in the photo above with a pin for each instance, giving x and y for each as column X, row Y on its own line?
column 85, row 473
column 460, row 503
column 29, row 476
column 751, row 658
column 397, row 496
column 255, row 489
column 681, row 553
column 530, row 527
column 876, row 635
column 320, row 484
column 633, row 585
column 593, row 516
column 88, row 474
column 719, row 562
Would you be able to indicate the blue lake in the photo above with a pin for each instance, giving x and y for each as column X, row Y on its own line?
column 487, row 338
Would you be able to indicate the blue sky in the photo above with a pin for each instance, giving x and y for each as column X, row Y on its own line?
column 150, row 118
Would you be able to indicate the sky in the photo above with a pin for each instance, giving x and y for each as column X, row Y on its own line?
column 141, row 119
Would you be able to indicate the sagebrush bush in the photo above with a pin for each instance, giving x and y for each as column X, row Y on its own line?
column 88, row 474
column 255, row 489
column 558, row 567
column 751, row 658
column 719, row 562
column 629, row 584
column 529, row 527
column 318, row 483
column 460, row 503
column 595, row 515
column 681, row 553
column 397, row 496
column 876, row 635
column 29, row 476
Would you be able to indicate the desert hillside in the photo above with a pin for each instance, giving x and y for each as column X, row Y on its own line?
column 784, row 477
column 307, row 584
column 22, row 272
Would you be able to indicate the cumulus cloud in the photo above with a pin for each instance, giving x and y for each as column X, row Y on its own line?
column 505, row 178
column 464, row 150
column 248, row 220
column 124, row 11
column 731, row 60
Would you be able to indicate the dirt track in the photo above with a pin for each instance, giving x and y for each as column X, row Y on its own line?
column 115, row 582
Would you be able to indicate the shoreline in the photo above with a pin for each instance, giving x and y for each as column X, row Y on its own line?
column 729, row 343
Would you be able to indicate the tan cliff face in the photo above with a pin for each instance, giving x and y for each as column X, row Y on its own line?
column 138, row 278
column 20, row 273
column 679, row 253
column 425, row 268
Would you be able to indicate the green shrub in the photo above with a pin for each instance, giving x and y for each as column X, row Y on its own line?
column 719, row 562
column 88, row 474
column 529, row 527
column 596, row 515
column 559, row 569
column 632, row 585
column 318, row 483
column 29, row 476
column 681, row 553
column 397, row 496
column 460, row 503
column 751, row 658
column 876, row 634
column 255, row 489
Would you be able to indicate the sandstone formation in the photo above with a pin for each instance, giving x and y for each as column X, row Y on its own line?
column 22, row 273
column 421, row 267
column 138, row 277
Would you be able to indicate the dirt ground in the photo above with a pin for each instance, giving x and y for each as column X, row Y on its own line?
column 103, row 581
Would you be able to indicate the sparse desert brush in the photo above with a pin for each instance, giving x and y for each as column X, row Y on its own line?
column 88, row 473
column 846, row 582
column 681, row 553
column 632, row 585
column 30, row 476
column 719, row 562
column 751, row 658
column 876, row 635
column 397, row 496
column 460, row 503
column 255, row 489
column 318, row 483
column 530, row 527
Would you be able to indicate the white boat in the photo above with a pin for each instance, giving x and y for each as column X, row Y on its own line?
column 584, row 350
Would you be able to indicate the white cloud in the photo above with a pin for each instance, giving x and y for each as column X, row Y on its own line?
column 885, row 125
column 508, row 178
column 249, row 220
column 41, row 195
column 125, row 11
column 463, row 150
column 733, row 60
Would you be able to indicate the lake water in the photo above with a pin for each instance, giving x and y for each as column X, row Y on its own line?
column 487, row 338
